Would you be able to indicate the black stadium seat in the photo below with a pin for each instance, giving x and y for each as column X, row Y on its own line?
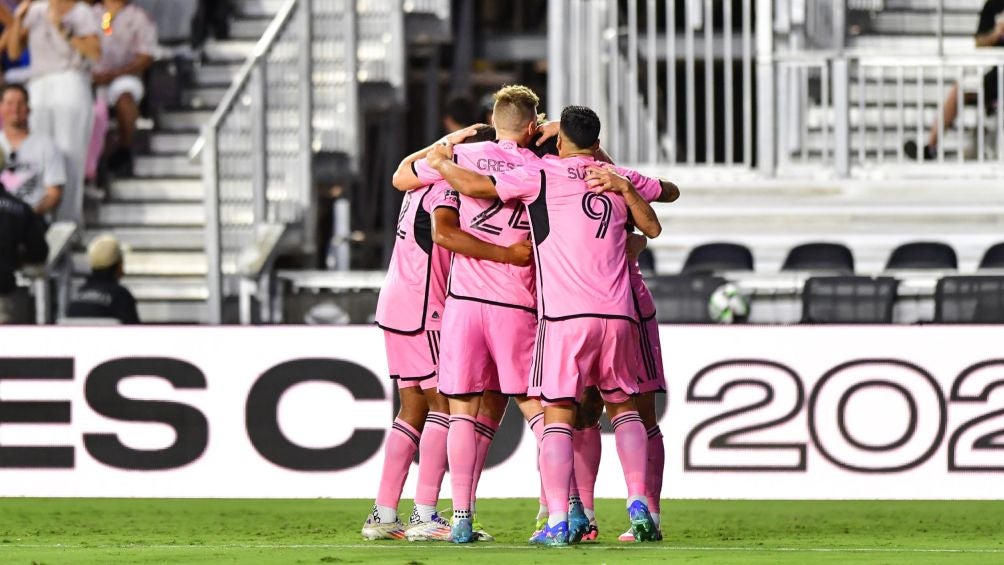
column 712, row 257
column 993, row 258
column 969, row 300
column 848, row 300
column 683, row 299
column 923, row 255
column 820, row 257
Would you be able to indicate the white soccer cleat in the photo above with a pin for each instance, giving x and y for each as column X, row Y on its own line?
column 374, row 529
column 627, row 537
column 436, row 529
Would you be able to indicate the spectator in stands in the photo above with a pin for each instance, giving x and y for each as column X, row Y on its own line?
column 13, row 70
column 34, row 169
column 64, row 39
column 102, row 296
column 22, row 240
column 211, row 17
column 989, row 33
column 460, row 112
column 128, row 45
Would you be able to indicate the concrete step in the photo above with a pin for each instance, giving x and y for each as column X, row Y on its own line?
column 153, row 238
column 162, row 288
column 166, row 166
column 173, row 312
column 153, row 263
column 972, row 6
column 257, row 8
column 891, row 22
column 183, row 120
column 228, row 51
column 215, row 74
column 890, row 117
column 203, row 97
column 172, row 142
column 157, row 189
column 249, row 29
column 147, row 214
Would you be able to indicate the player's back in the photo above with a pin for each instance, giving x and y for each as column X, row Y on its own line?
column 496, row 222
column 580, row 240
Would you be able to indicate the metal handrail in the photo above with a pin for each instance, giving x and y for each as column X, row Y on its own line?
column 261, row 49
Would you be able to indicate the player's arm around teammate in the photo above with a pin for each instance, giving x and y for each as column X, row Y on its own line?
column 405, row 178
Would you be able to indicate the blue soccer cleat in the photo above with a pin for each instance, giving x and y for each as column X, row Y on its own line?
column 578, row 523
column 642, row 524
column 556, row 536
column 462, row 531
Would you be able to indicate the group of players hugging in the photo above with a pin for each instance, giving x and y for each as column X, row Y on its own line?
column 515, row 275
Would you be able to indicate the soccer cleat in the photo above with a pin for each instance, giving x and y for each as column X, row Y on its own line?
column 463, row 531
column 479, row 531
column 539, row 527
column 642, row 524
column 373, row 529
column 627, row 537
column 592, row 533
column 436, row 529
column 578, row 523
column 552, row 537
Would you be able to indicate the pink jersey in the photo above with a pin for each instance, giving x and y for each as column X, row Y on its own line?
column 650, row 189
column 579, row 237
column 492, row 221
column 412, row 296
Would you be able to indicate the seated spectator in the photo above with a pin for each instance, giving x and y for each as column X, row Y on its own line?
column 64, row 39
column 34, row 169
column 22, row 240
column 989, row 33
column 102, row 296
column 128, row 44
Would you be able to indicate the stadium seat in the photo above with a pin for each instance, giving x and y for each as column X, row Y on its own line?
column 923, row 255
column 848, row 300
column 712, row 257
column 993, row 258
column 969, row 300
column 683, row 299
column 820, row 257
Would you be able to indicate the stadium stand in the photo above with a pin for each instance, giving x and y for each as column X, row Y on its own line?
column 923, row 255
column 993, row 258
column 718, row 257
column 683, row 298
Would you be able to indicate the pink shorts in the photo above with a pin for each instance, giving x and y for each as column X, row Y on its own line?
column 490, row 348
column 413, row 359
column 573, row 354
column 651, row 376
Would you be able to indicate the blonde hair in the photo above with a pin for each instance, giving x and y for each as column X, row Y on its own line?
column 515, row 107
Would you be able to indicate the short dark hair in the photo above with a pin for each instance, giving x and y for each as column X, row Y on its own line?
column 484, row 133
column 550, row 147
column 580, row 125
column 462, row 110
column 12, row 86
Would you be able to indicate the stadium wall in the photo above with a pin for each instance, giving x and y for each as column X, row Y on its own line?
column 754, row 412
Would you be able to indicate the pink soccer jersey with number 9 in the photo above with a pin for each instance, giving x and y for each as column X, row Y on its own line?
column 579, row 238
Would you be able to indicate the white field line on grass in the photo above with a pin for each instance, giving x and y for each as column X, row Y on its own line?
column 489, row 546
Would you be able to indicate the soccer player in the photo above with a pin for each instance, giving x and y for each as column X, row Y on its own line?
column 410, row 311
column 588, row 330
column 491, row 308
column 586, row 437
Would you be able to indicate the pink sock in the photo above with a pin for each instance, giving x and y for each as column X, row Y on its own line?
column 556, row 466
column 485, row 428
column 432, row 458
column 463, row 455
column 537, row 427
column 632, row 449
column 399, row 451
column 655, row 469
column 587, row 462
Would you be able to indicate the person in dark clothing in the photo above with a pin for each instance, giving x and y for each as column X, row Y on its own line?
column 102, row 296
column 989, row 33
column 22, row 240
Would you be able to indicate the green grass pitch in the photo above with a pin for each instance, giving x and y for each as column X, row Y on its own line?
column 68, row 531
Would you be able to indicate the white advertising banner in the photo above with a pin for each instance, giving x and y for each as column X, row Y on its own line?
column 760, row 412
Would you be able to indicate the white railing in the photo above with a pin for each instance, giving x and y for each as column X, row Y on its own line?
column 688, row 82
column 296, row 94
